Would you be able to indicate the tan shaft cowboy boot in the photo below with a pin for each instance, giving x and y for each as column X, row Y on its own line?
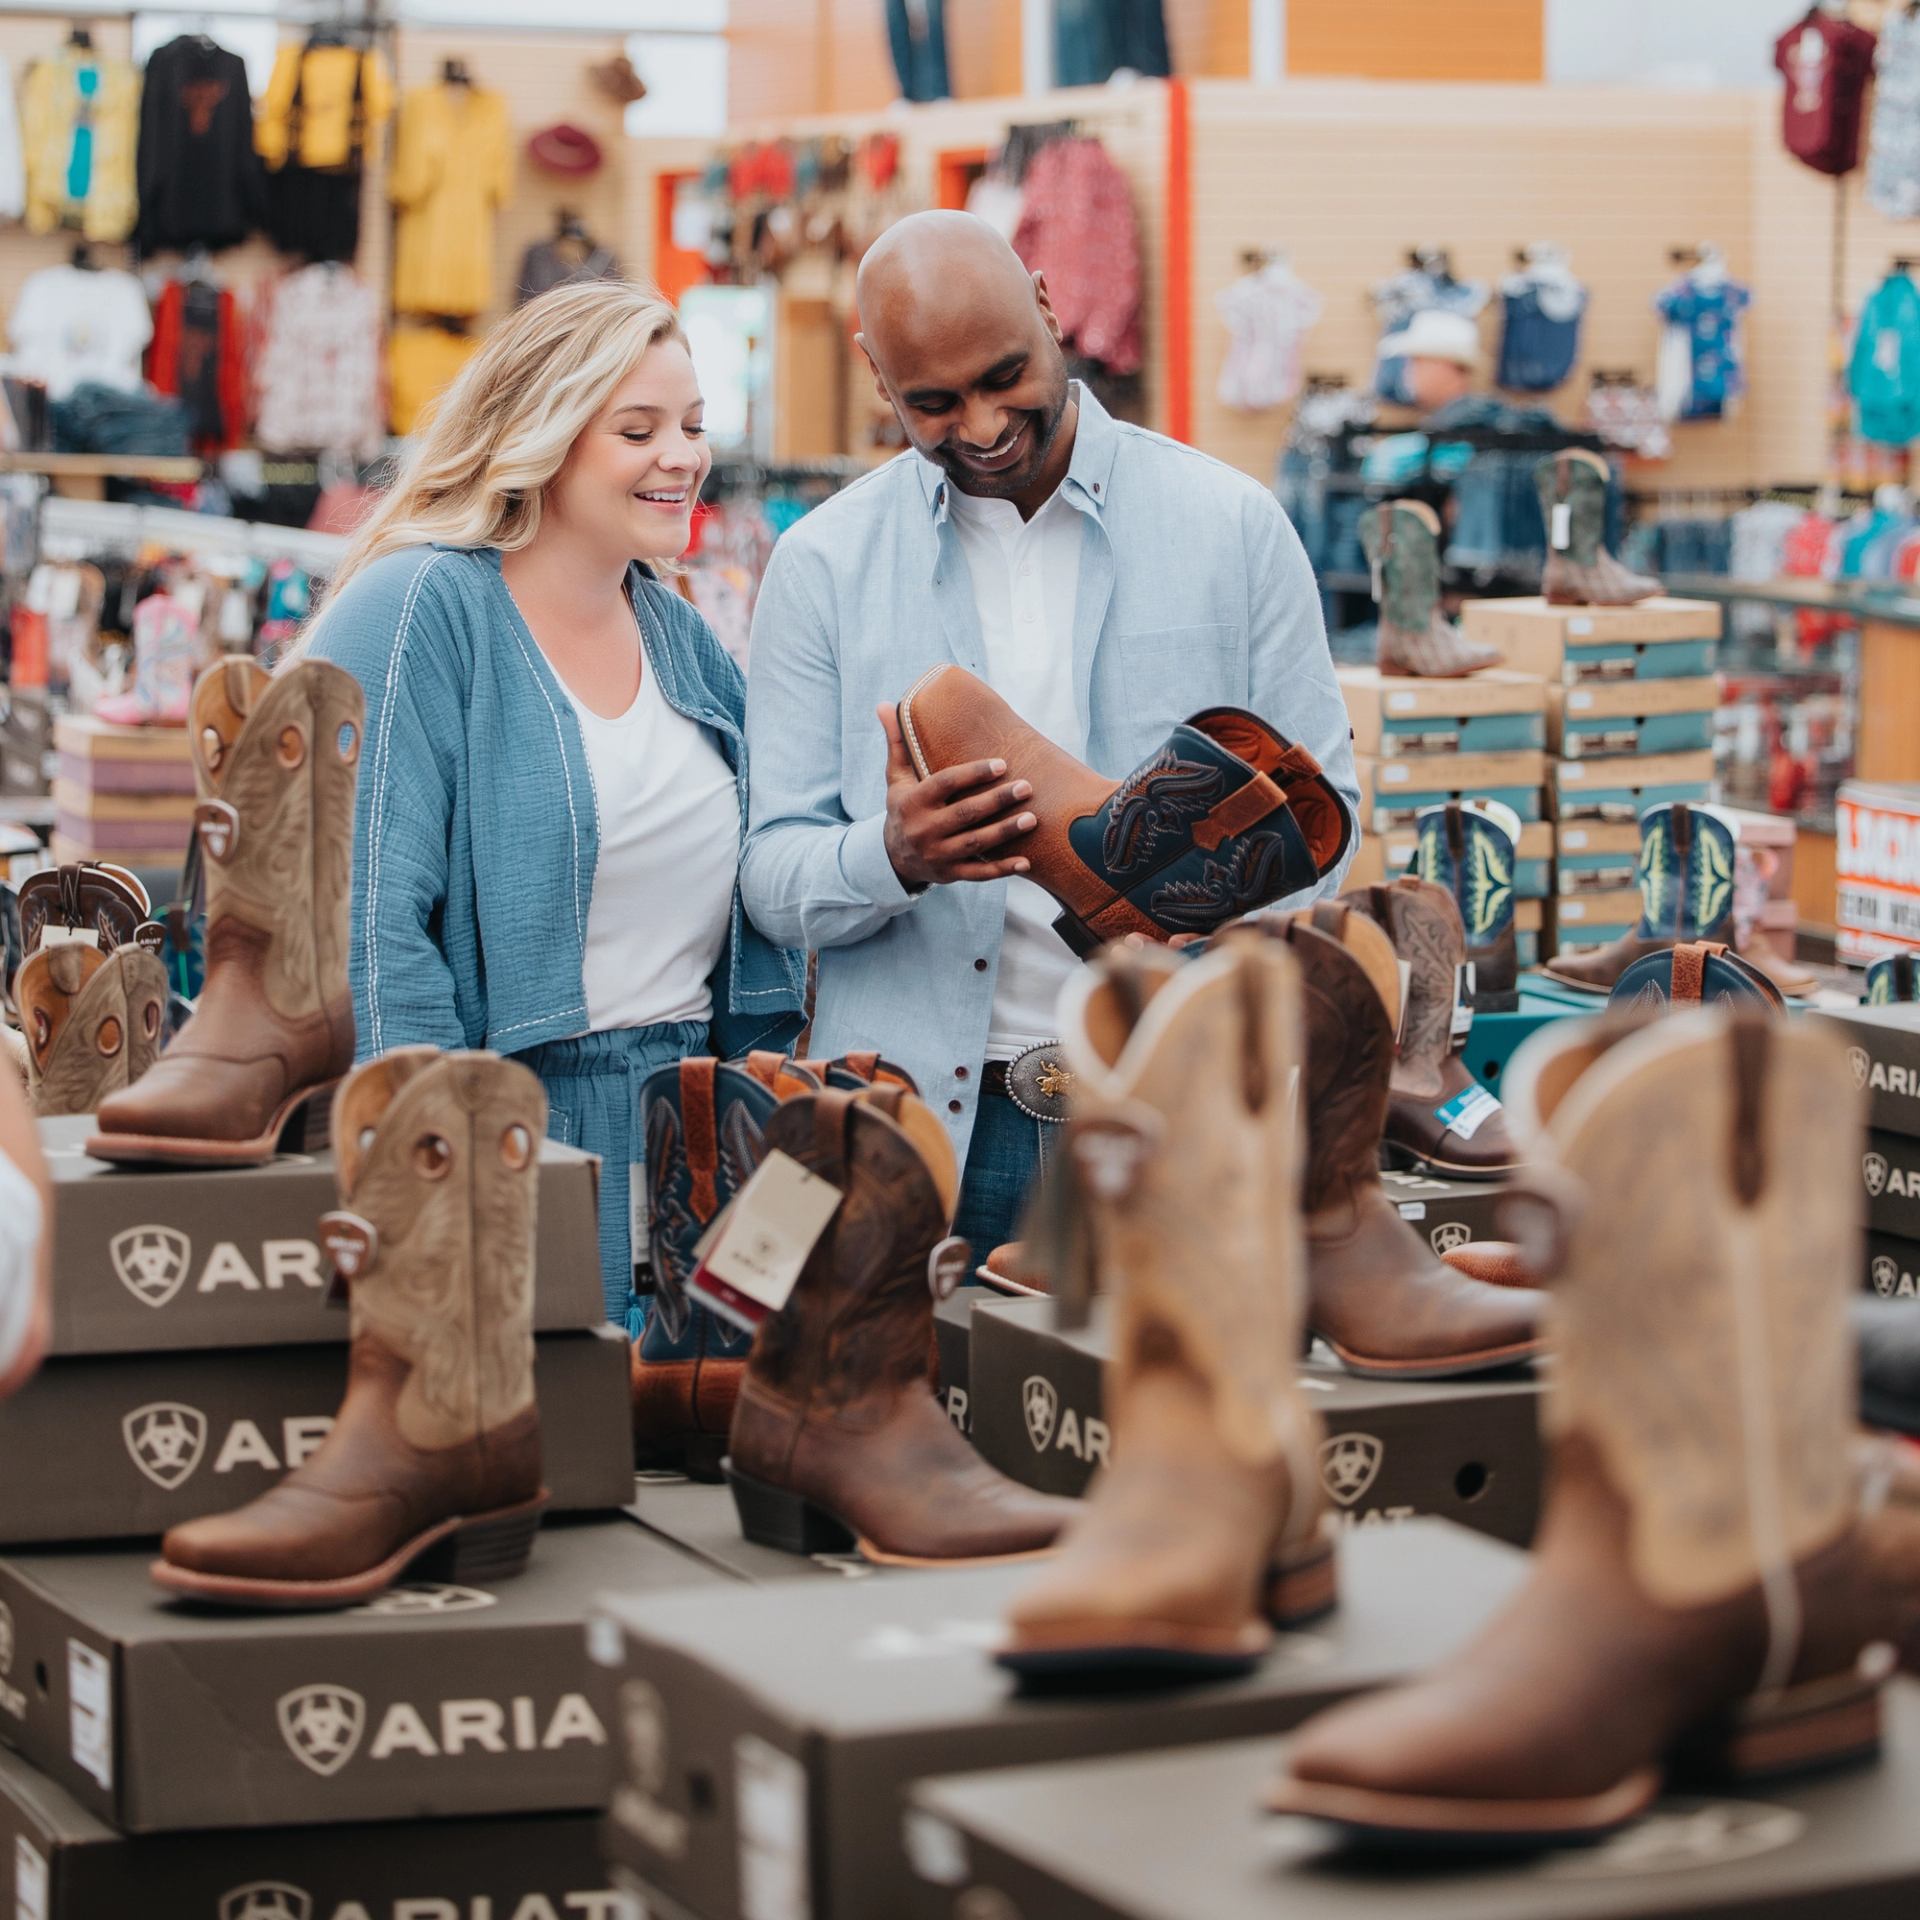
column 273, row 1027
column 1703, row 1602
column 92, row 1021
column 1184, row 1153
column 1580, row 571
column 433, row 1463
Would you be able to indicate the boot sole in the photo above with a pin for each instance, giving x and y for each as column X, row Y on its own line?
column 473, row 1549
column 790, row 1523
column 1452, row 1367
column 300, row 1125
column 1579, row 986
column 1405, row 1159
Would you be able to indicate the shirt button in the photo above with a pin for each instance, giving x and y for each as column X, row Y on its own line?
column 979, row 966
column 953, row 1106
column 959, row 1073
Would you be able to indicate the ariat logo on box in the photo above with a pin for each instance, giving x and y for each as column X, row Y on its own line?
column 281, row 1900
column 153, row 1264
column 1881, row 1075
column 167, row 1440
column 323, row 1726
column 1882, row 1176
column 1891, row 1281
column 1050, row 1426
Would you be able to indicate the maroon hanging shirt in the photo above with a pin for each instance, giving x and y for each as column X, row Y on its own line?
column 1827, row 64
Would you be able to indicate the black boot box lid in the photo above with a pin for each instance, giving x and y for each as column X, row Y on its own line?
column 152, row 1259
column 1461, row 1450
column 124, row 1446
column 1883, row 1046
column 1168, row 1836
column 434, row 1699
column 700, row 1519
column 765, row 1737
column 60, row 1862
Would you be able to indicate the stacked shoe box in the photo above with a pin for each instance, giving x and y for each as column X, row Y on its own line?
column 1630, row 695
column 195, row 1358
column 1419, row 743
column 124, row 794
column 1883, row 1045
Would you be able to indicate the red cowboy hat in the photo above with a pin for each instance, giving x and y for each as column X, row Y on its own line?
column 564, row 148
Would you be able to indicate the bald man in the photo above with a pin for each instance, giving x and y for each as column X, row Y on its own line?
column 1106, row 582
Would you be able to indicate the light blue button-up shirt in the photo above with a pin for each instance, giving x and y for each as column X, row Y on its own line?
column 1194, row 592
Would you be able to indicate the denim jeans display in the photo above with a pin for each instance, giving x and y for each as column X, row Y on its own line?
column 1093, row 39
column 917, row 32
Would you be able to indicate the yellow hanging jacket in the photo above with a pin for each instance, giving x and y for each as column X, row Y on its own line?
column 323, row 77
column 52, row 110
column 452, row 168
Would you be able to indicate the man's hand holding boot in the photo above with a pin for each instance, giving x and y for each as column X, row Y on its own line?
column 952, row 825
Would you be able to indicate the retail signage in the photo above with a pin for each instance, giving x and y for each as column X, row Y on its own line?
column 1877, row 863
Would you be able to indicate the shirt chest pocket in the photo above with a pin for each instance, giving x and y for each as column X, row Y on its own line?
column 1157, row 679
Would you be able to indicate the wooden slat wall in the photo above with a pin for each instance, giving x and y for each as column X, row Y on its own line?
column 1348, row 176
column 1418, row 40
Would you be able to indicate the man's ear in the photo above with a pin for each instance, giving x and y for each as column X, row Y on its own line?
column 1044, row 301
column 879, row 380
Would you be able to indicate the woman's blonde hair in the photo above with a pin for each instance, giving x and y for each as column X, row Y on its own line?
column 478, row 471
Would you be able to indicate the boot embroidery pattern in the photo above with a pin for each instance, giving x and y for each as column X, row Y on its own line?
column 92, row 1021
column 1481, row 880
column 1224, row 891
column 683, row 1206
column 1154, row 802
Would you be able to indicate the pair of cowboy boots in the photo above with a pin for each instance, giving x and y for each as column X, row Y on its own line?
column 704, row 1123
column 1685, row 874
column 275, row 761
column 1226, row 817
column 1712, row 1591
column 433, row 1465
column 1580, row 572
column 1438, row 1116
column 91, row 994
column 837, row 1441
column 1471, row 849
column 1401, row 539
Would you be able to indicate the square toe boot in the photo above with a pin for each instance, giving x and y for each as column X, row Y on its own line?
column 92, row 1022
column 433, row 1464
column 1438, row 1115
column 1581, row 572
column 275, row 761
column 1226, row 817
column 1377, row 1294
column 1184, row 1162
column 705, row 1130
column 838, row 1441
column 1401, row 539
column 1705, row 1602
column 1472, row 854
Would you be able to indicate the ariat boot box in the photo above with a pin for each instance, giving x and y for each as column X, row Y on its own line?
column 1890, row 1173
column 59, row 1862
column 1492, row 712
column 1393, row 792
column 765, row 1739
column 430, row 1700
column 701, row 1520
column 1660, row 639
column 1171, row 1836
column 171, row 1260
column 1448, row 1213
column 116, row 1448
column 1463, row 1450
column 1625, row 786
column 1597, row 856
column 1883, row 1048
column 1893, row 1267
column 953, row 1342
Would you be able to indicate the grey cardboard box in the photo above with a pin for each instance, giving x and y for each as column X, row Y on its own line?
column 1893, row 1267
column 701, row 1520
column 1176, row 1835
column 1448, row 1213
column 1883, row 1044
column 151, row 1260
column 1463, row 1450
column 60, row 1862
column 434, row 1700
column 1890, row 1173
column 124, row 1446
column 764, row 1739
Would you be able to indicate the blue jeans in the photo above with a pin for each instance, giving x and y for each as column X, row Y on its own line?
column 1007, row 1150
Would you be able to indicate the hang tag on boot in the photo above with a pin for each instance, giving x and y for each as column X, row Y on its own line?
column 1562, row 535
column 749, row 1260
column 1465, row 987
column 1379, row 575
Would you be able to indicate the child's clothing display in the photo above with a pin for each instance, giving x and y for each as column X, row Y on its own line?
column 1268, row 313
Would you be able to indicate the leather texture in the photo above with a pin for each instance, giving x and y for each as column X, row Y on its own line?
column 1473, row 858
column 437, row 1158
column 1376, row 1292
column 1429, row 1075
column 1704, row 1575
column 1583, row 573
column 1697, row 972
column 93, row 1022
column 275, row 760
column 83, row 895
column 837, row 1406
column 1401, row 539
column 1226, row 817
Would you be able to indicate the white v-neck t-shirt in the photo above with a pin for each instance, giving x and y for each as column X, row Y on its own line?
column 1026, row 585
column 669, row 855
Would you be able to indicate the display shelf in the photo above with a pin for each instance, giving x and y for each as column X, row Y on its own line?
column 84, row 476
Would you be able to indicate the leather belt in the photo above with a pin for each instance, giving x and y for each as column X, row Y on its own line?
column 993, row 1078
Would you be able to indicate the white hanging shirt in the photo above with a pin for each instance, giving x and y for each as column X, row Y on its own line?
column 1026, row 584
column 1268, row 314
column 72, row 325
column 669, row 854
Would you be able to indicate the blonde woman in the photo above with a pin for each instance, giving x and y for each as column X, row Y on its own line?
column 553, row 783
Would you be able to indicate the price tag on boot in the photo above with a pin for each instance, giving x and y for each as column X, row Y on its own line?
column 1563, row 526
column 1465, row 987
column 747, row 1264
column 1466, row 1113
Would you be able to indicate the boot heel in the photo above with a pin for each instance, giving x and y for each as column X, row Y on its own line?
column 493, row 1547
column 703, row 1457
column 1302, row 1591
column 774, row 1517
column 1078, row 935
column 1827, row 1723
column 309, row 1127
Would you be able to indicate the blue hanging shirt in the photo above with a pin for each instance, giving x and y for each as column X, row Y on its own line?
column 1884, row 373
column 1709, row 311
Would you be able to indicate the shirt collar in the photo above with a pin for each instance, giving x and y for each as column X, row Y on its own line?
column 1096, row 441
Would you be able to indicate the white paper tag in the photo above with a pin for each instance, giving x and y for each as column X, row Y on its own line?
column 1378, row 585
column 771, row 1809
column 90, row 1711
column 1406, row 989
column 1580, row 625
column 1579, row 700
column 1573, row 910
column 1402, row 702
column 1563, row 526
column 29, row 1881
column 1466, row 1113
column 756, row 1249
column 1413, row 1209
column 55, row 935
column 935, row 1848
column 1395, row 776
column 1573, row 839
column 1572, row 773
column 1465, row 986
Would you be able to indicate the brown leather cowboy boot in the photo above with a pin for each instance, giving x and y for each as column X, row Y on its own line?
column 1401, row 539
column 92, row 1022
column 1703, row 1592
column 273, row 1027
column 83, row 896
column 1376, row 1294
column 433, row 1463
column 1694, row 973
column 838, row 1441
column 1438, row 1115
column 1226, row 817
column 1580, row 571
column 1184, row 1076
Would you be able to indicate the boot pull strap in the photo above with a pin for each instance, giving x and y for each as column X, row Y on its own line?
column 832, row 1116
column 1747, row 1157
column 1456, row 832
column 887, row 1099
column 765, row 1067
column 1255, row 1080
column 700, row 1130
column 863, row 1064
column 1690, row 971
column 1330, row 918
column 239, row 688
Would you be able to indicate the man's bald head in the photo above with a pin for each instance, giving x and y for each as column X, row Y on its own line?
column 965, row 348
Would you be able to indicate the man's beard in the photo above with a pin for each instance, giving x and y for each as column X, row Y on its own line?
column 1016, row 480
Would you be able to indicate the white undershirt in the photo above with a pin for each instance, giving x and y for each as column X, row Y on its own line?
column 669, row 855
column 1026, row 583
